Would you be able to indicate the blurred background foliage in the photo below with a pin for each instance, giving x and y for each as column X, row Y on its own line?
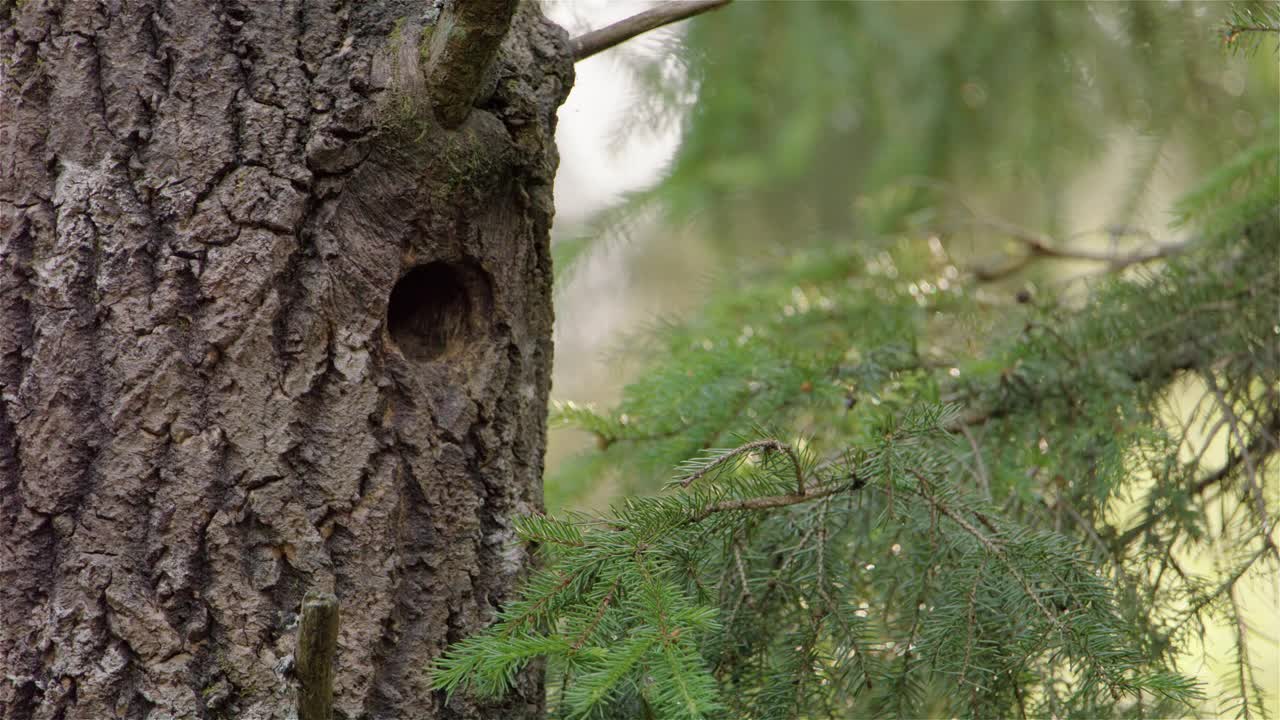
column 896, row 126
column 852, row 221
column 798, row 109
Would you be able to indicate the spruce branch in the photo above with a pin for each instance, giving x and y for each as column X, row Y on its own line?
column 775, row 579
column 1265, row 441
column 540, row 605
column 1183, row 351
column 604, row 607
column 771, row 502
column 1071, row 634
column 1246, row 26
column 980, row 466
column 971, row 623
column 1233, row 32
column 1248, row 682
column 971, row 595
column 991, row 545
column 1251, row 471
column 588, row 44
column 719, row 461
column 1223, row 588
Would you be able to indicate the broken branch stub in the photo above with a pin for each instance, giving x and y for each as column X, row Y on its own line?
column 463, row 45
column 317, row 642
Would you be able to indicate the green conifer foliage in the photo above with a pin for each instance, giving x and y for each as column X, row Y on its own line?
column 902, row 481
column 876, row 551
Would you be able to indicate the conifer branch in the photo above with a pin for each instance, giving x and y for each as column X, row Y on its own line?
column 1226, row 586
column 566, row 579
column 770, row 502
column 1245, row 23
column 1154, row 368
column 1234, row 31
column 776, row 579
column 588, row 44
column 1253, row 491
column 1114, row 682
column 1082, row 523
column 980, row 466
column 991, row 545
column 972, row 621
column 1244, row 667
column 980, row 598
column 604, row 607
column 765, row 444
column 1264, row 442
column 742, row 573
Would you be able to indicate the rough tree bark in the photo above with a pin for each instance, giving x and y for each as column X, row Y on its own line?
column 266, row 325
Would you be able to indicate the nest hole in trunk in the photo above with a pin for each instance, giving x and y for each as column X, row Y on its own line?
column 435, row 309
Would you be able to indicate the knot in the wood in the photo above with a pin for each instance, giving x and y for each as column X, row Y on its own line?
column 434, row 310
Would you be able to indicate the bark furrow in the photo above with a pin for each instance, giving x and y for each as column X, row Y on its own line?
column 205, row 212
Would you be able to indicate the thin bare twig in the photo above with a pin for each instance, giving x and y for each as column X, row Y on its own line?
column 588, row 44
column 1087, row 526
column 1039, row 245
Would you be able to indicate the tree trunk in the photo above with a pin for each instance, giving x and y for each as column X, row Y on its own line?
column 266, row 326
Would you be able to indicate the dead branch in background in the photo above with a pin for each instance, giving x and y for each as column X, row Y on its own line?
column 1039, row 245
column 588, row 44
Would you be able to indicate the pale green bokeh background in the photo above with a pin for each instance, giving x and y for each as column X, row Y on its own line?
column 1129, row 171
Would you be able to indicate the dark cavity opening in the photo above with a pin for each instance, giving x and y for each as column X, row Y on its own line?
column 433, row 309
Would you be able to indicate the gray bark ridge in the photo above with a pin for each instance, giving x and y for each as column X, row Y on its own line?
column 265, row 327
